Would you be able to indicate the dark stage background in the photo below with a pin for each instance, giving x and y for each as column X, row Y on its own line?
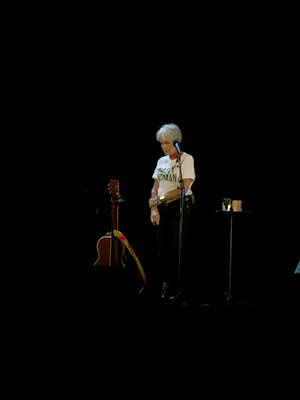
column 118, row 142
column 234, row 125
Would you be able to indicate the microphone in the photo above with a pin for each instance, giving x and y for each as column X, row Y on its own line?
column 176, row 144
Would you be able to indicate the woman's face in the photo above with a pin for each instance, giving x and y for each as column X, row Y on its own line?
column 168, row 147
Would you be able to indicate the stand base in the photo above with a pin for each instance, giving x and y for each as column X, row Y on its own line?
column 231, row 302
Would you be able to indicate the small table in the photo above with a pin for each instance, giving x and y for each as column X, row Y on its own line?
column 231, row 215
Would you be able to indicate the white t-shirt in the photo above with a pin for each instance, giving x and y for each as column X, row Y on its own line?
column 168, row 176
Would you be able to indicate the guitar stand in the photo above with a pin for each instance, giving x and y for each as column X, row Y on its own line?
column 229, row 300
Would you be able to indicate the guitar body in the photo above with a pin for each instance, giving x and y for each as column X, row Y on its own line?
column 104, row 251
column 110, row 253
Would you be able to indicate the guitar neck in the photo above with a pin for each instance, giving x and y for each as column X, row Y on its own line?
column 115, row 199
column 114, row 241
column 115, row 215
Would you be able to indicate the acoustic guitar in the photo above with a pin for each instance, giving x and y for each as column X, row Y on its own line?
column 110, row 250
column 111, row 247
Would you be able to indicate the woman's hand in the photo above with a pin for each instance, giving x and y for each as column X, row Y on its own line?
column 154, row 216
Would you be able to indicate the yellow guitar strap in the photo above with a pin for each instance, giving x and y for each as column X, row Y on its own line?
column 124, row 240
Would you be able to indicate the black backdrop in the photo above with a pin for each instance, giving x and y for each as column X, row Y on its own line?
column 117, row 141
column 242, row 141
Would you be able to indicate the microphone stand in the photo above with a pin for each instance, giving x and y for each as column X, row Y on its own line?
column 179, row 276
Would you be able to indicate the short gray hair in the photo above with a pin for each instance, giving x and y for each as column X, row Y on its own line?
column 169, row 132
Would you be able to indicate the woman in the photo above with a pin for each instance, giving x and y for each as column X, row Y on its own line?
column 172, row 193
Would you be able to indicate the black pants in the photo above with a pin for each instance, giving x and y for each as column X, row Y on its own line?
column 168, row 242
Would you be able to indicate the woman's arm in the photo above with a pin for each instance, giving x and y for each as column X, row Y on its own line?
column 154, row 214
column 187, row 182
column 172, row 195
